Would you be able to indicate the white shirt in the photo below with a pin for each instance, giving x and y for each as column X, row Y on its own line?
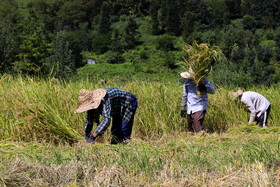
column 256, row 103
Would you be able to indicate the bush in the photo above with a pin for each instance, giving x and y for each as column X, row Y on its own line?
column 127, row 71
column 165, row 42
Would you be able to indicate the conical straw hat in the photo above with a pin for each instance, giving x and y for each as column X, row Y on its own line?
column 90, row 99
column 187, row 74
column 236, row 94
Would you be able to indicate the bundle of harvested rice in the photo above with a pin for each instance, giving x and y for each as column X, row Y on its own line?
column 198, row 61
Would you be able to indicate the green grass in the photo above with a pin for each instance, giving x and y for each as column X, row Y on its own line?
column 184, row 160
column 41, row 140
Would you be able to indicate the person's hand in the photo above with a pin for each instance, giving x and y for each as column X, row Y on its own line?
column 85, row 136
column 183, row 113
column 91, row 139
column 202, row 88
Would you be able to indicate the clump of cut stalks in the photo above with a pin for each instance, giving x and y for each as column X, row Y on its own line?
column 199, row 59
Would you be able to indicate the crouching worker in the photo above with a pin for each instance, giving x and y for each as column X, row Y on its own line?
column 196, row 99
column 257, row 104
column 112, row 103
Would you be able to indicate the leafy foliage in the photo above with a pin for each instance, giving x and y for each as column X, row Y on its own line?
column 34, row 46
column 8, row 47
column 147, row 32
column 61, row 63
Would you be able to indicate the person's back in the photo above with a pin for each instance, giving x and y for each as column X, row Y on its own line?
column 196, row 99
column 255, row 102
column 118, row 102
column 113, row 104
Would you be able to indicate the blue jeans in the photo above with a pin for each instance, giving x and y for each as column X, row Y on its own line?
column 121, row 130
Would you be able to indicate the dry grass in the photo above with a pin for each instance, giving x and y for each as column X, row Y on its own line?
column 194, row 160
column 43, row 110
column 41, row 144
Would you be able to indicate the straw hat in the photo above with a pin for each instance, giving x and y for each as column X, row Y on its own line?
column 90, row 99
column 187, row 74
column 234, row 95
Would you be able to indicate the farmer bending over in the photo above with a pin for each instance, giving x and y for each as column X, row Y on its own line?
column 110, row 103
column 257, row 104
column 196, row 99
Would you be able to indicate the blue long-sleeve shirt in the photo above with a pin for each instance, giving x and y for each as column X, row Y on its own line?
column 190, row 98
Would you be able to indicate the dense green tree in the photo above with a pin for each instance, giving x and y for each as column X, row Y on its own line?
column 246, row 31
column 100, row 42
column 203, row 13
column 76, row 45
column 83, row 37
column 249, row 22
column 234, row 8
column 34, row 47
column 8, row 47
column 9, row 12
column 172, row 17
column 277, row 40
column 154, row 9
column 266, row 12
column 276, row 64
column 104, row 19
column 163, row 14
column 165, row 43
column 217, row 9
column 129, row 7
column 196, row 18
column 61, row 62
column 116, row 44
column 114, row 57
column 92, row 9
column 48, row 11
column 72, row 13
column 233, row 38
column 187, row 24
column 130, row 33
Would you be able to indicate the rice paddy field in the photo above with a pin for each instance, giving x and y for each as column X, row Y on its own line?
column 41, row 140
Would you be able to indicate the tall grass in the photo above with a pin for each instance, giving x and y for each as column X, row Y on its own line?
column 43, row 109
column 37, row 118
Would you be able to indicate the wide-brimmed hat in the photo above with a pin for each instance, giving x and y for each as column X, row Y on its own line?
column 236, row 94
column 90, row 99
column 187, row 74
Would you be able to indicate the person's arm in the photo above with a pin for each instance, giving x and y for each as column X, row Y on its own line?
column 209, row 87
column 106, row 114
column 249, row 104
column 88, row 124
column 184, row 102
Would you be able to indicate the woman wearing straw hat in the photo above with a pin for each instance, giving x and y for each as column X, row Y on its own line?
column 257, row 104
column 196, row 99
column 110, row 103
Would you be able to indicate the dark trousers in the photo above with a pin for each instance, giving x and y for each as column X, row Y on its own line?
column 195, row 121
column 121, row 130
column 262, row 120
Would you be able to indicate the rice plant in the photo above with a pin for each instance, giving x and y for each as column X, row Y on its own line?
column 43, row 109
column 41, row 140
column 199, row 59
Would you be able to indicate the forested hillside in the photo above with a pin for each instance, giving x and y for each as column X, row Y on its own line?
column 145, row 37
